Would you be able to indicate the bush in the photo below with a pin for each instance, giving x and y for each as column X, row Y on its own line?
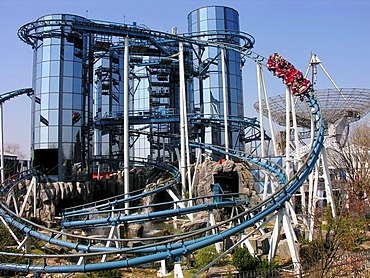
column 206, row 255
column 244, row 261
column 110, row 273
column 265, row 265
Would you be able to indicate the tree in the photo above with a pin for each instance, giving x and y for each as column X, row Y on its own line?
column 337, row 237
column 345, row 233
column 353, row 162
column 244, row 261
column 13, row 148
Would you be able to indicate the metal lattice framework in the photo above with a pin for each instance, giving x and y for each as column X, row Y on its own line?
column 173, row 246
column 353, row 103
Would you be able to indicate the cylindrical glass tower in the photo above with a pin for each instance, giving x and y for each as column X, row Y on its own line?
column 58, row 100
column 215, row 23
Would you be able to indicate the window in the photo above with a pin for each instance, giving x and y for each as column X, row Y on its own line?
column 220, row 13
column 67, row 118
column 45, row 69
column 53, row 101
column 211, row 12
column 67, row 133
column 53, row 117
column 54, row 68
column 46, row 53
column 53, row 134
column 54, row 84
column 77, row 101
column 44, row 136
column 68, row 52
column 44, row 102
column 55, row 52
column 68, row 68
column 68, row 84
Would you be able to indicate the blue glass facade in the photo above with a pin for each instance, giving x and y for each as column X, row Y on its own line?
column 58, row 100
column 78, row 81
column 209, row 22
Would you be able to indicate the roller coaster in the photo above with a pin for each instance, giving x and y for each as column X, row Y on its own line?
column 89, row 253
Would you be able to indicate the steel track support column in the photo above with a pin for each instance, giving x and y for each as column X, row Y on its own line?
column 212, row 222
column 292, row 243
column 245, row 241
column 290, row 208
column 97, row 110
column 328, row 186
column 112, row 235
column 178, row 204
column 274, row 145
column 182, row 120
column 226, row 103
column 297, row 156
column 26, row 244
column 196, row 169
column 283, row 221
column 312, row 202
column 32, row 186
column 313, row 177
column 10, row 231
column 308, row 219
column 187, row 147
column 11, row 197
column 297, row 153
column 81, row 260
column 163, row 269
column 2, row 144
column 177, row 269
column 262, row 129
column 287, row 132
column 288, row 160
column 126, row 127
column 321, row 166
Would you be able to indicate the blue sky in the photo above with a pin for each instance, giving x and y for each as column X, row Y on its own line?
column 337, row 31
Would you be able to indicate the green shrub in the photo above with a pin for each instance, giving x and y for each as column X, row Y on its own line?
column 264, row 265
column 205, row 255
column 111, row 273
column 244, row 261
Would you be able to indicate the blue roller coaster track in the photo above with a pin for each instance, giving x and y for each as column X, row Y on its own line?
column 105, row 212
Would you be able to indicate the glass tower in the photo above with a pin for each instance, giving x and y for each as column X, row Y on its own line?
column 78, row 72
column 210, row 23
column 58, row 99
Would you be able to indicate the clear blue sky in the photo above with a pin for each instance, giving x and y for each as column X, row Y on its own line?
column 337, row 31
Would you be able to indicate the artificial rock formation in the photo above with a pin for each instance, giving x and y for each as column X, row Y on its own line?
column 204, row 186
column 209, row 169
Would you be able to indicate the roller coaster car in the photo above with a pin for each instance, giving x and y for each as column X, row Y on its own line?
column 292, row 75
column 301, row 87
column 272, row 61
column 271, row 64
column 283, row 67
column 289, row 76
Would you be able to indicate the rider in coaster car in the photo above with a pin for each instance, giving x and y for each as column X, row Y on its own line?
column 290, row 75
column 300, row 87
column 272, row 60
column 282, row 67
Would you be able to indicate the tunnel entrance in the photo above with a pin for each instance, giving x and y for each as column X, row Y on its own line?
column 67, row 203
column 229, row 182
